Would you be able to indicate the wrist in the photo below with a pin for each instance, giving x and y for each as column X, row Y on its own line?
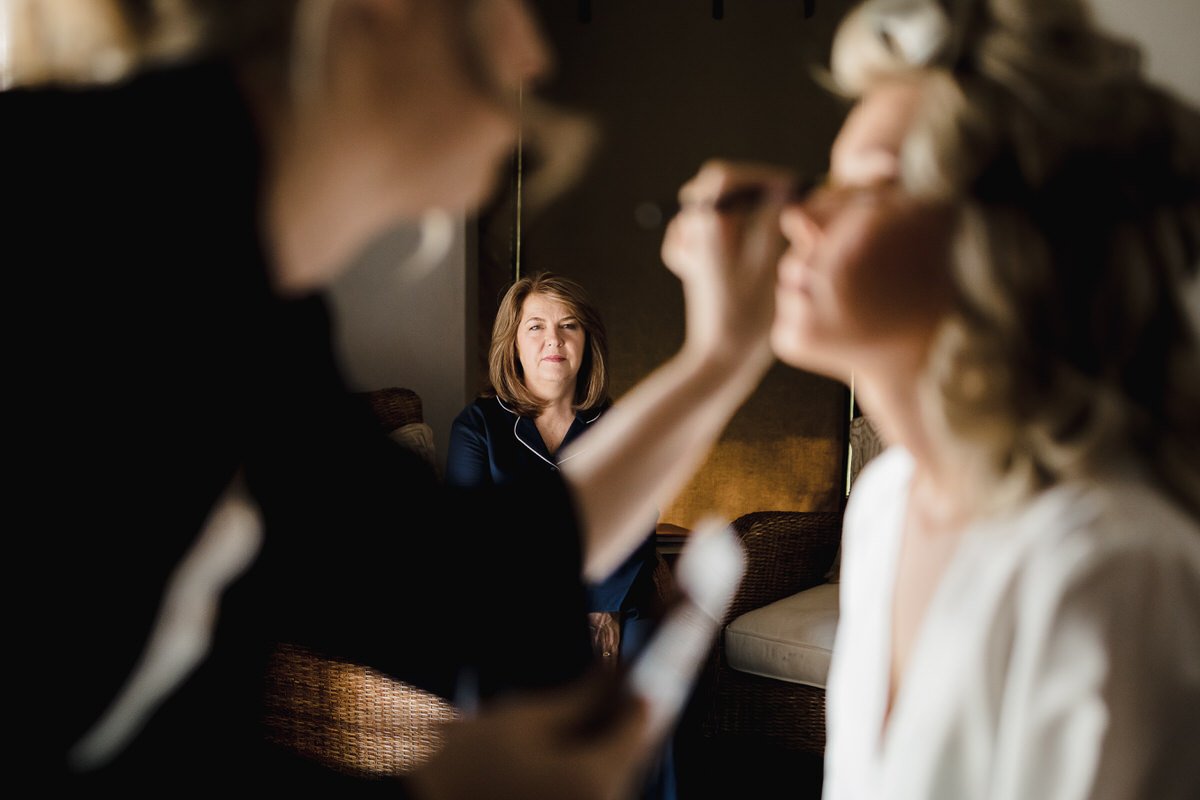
column 723, row 333
column 728, row 360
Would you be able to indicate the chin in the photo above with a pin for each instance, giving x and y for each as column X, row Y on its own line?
column 796, row 348
column 473, row 190
column 789, row 354
column 461, row 182
column 787, row 345
column 791, row 334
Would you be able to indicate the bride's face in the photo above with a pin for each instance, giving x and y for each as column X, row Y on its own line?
column 866, row 274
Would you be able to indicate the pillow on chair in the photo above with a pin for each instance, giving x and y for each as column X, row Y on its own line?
column 416, row 436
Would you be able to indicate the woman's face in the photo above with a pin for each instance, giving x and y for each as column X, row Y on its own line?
column 432, row 95
column 550, row 346
column 407, row 106
column 865, row 278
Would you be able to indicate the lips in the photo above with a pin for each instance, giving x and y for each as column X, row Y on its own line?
column 555, row 359
column 792, row 275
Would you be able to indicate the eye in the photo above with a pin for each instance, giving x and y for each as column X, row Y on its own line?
column 808, row 185
column 857, row 193
column 570, row 325
column 875, row 192
column 535, row 326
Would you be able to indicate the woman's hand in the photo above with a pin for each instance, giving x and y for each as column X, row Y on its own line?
column 605, row 629
column 586, row 741
column 724, row 245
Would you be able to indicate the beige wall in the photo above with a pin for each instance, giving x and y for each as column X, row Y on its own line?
column 1168, row 30
column 399, row 329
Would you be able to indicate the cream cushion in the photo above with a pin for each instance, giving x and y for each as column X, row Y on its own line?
column 416, row 436
column 789, row 640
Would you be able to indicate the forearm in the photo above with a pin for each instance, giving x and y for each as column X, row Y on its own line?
column 644, row 450
column 647, row 447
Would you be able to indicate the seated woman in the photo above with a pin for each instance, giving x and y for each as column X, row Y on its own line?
column 1002, row 257
column 549, row 382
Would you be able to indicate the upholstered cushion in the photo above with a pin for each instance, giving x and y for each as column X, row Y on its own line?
column 417, row 436
column 790, row 639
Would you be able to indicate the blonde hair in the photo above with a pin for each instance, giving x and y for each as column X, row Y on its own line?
column 1076, row 185
column 100, row 41
column 504, row 367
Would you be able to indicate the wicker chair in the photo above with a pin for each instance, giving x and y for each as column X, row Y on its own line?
column 401, row 417
column 343, row 715
column 787, row 553
column 352, row 718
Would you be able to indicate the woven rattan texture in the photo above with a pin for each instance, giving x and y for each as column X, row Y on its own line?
column 345, row 716
column 351, row 718
column 786, row 552
column 395, row 407
column 789, row 715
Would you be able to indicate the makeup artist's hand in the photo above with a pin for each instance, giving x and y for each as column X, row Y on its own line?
column 724, row 245
column 537, row 747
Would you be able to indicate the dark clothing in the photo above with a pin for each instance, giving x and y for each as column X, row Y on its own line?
column 492, row 445
column 150, row 363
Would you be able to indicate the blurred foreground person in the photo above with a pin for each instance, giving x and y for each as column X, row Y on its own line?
column 200, row 484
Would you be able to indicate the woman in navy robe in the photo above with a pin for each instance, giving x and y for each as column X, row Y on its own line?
column 549, row 382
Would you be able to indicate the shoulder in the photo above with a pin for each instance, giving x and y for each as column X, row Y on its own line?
column 484, row 414
column 1097, row 626
column 892, row 467
column 871, row 527
column 1123, row 533
column 880, row 488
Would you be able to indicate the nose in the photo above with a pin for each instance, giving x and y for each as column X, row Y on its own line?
column 800, row 227
column 522, row 54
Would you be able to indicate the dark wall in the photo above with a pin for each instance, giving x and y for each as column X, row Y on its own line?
column 669, row 86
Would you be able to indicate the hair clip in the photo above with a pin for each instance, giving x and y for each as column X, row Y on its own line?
column 916, row 31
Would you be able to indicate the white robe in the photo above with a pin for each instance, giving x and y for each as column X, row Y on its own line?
column 1059, row 657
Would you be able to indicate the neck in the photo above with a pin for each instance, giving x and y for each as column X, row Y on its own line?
column 558, row 406
column 554, row 421
column 892, row 396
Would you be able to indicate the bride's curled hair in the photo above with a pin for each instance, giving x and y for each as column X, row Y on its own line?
column 1076, row 188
